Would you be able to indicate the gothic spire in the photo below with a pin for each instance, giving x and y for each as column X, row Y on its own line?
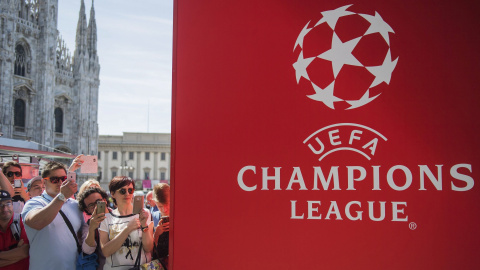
column 92, row 34
column 81, row 39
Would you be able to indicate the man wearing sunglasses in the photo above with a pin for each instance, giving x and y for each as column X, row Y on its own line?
column 52, row 245
column 13, row 171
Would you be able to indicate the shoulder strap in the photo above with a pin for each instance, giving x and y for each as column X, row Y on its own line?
column 79, row 248
column 137, row 260
column 71, row 229
column 15, row 227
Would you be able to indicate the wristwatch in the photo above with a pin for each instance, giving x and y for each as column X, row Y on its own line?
column 61, row 197
column 144, row 229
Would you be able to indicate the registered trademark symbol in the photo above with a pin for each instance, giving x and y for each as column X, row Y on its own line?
column 412, row 226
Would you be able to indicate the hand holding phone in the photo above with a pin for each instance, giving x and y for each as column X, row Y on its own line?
column 165, row 219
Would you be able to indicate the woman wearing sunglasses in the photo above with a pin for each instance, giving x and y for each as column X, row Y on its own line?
column 122, row 232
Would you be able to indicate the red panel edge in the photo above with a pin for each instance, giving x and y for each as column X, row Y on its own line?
column 173, row 136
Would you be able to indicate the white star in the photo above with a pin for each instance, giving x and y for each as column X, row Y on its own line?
column 383, row 73
column 301, row 66
column 341, row 54
column 378, row 25
column 301, row 36
column 362, row 101
column 332, row 16
column 325, row 95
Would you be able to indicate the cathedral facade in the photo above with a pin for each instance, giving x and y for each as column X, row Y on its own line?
column 48, row 96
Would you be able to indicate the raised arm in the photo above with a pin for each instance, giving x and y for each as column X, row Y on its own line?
column 5, row 184
column 76, row 163
column 40, row 218
column 147, row 234
column 89, row 242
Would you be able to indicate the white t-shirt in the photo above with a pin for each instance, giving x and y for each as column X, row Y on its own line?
column 53, row 247
column 125, row 257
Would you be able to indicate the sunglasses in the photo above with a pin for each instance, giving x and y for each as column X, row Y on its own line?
column 17, row 174
column 56, row 179
column 123, row 191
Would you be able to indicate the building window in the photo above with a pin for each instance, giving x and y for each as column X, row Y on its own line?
column 162, row 156
column 19, row 113
column 130, row 155
column 130, row 174
column 20, row 61
column 99, row 155
column 114, row 173
column 114, row 155
column 58, row 120
column 147, row 155
column 147, row 175
column 162, row 175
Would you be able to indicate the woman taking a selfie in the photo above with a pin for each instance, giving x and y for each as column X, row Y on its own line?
column 123, row 233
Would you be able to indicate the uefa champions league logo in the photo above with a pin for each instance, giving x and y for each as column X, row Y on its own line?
column 352, row 70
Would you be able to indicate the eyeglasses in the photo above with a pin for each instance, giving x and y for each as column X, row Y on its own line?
column 56, row 179
column 17, row 174
column 8, row 204
column 92, row 205
column 123, row 191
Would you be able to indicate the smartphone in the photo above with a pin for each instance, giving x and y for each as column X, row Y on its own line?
column 165, row 219
column 89, row 165
column 101, row 207
column 137, row 204
column 18, row 183
column 72, row 176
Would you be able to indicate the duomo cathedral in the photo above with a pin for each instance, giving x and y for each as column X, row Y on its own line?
column 48, row 95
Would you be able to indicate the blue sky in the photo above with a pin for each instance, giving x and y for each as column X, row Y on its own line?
column 135, row 51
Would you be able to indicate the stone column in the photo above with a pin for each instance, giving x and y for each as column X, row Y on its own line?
column 139, row 166
column 106, row 169
column 122, row 164
column 155, row 165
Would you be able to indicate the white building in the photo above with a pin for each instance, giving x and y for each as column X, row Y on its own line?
column 140, row 156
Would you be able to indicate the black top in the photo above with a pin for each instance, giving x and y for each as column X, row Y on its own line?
column 162, row 245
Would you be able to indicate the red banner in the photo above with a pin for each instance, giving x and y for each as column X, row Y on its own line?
column 326, row 135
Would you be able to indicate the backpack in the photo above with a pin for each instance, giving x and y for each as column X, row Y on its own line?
column 15, row 227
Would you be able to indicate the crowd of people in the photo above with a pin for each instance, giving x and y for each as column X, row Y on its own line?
column 54, row 224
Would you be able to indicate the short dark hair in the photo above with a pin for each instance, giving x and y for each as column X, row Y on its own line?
column 118, row 182
column 162, row 193
column 9, row 164
column 81, row 197
column 52, row 166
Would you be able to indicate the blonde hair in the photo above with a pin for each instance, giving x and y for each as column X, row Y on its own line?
column 88, row 184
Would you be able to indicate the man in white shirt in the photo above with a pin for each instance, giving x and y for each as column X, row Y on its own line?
column 52, row 245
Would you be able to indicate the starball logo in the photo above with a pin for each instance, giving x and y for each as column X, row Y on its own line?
column 349, row 71
column 346, row 69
